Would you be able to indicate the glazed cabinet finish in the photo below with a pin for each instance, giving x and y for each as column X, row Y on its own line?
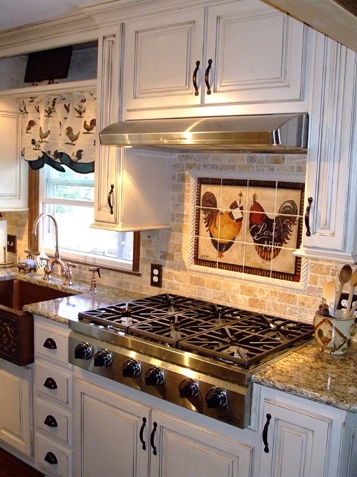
column 239, row 53
column 120, row 437
column 16, row 409
column 13, row 169
column 132, row 187
column 332, row 155
column 53, row 399
column 305, row 439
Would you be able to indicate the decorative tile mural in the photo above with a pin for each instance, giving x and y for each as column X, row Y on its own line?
column 249, row 226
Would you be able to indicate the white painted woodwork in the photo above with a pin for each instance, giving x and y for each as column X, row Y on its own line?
column 57, row 403
column 332, row 155
column 257, row 56
column 13, row 169
column 139, row 180
column 109, row 420
column 108, row 427
column 186, row 449
column 306, row 438
column 64, row 457
column 16, row 406
column 141, row 190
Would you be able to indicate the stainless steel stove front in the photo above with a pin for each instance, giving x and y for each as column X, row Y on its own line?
column 173, row 380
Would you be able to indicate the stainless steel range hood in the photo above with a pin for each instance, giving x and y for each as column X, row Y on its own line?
column 264, row 133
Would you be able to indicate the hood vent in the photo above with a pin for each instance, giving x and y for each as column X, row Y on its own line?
column 263, row 133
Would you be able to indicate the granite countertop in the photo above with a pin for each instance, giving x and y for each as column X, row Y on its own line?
column 311, row 374
column 305, row 372
column 64, row 309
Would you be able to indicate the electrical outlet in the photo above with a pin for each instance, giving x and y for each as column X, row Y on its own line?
column 11, row 243
column 156, row 275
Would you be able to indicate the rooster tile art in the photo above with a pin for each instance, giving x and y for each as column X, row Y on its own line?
column 251, row 227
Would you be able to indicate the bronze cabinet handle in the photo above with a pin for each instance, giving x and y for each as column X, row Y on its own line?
column 110, row 195
column 265, row 433
column 194, row 77
column 307, row 217
column 208, row 69
column 152, row 439
column 141, row 434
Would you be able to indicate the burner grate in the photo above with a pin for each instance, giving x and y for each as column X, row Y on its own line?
column 225, row 333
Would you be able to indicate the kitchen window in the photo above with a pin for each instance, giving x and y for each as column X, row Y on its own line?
column 69, row 197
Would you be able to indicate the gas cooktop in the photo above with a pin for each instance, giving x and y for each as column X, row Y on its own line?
column 230, row 335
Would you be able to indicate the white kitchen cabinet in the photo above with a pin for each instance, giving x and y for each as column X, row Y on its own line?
column 243, row 53
column 332, row 155
column 53, row 399
column 132, row 186
column 118, row 436
column 304, row 438
column 16, row 415
column 13, row 169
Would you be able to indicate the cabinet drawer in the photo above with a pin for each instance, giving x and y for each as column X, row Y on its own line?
column 50, row 343
column 55, row 421
column 53, row 457
column 54, row 383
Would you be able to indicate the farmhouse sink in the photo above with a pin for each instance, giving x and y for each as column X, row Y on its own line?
column 16, row 325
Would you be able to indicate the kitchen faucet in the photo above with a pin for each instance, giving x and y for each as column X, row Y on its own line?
column 65, row 269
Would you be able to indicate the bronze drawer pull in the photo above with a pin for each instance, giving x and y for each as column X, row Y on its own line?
column 50, row 343
column 50, row 383
column 51, row 458
column 50, row 421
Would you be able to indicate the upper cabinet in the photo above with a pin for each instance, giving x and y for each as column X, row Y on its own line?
column 243, row 56
column 13, row 170
column 132, row 186
column 332, row 156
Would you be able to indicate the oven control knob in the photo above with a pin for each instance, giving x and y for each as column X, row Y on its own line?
column 154, row 377
column 131, row 368
column 188, row 388
column 216, row 398
column 103, row 358
column 83, row 351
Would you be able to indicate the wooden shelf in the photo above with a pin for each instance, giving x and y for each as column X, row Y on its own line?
column 70, row 86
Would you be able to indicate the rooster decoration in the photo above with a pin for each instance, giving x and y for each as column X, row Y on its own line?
column 223, row 227
column 270, row 234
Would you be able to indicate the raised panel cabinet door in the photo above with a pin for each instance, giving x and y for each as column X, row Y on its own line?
column 112, row 434
column 13, row 169
column 181, row 449
column 257, row 54
column 16, row 406
column 297, row 442
column 107, row 161
column 161, row 54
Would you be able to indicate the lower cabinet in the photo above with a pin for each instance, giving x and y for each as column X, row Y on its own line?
column 302, row 438
column 120, row 437
column 16, row 406
column 53, row 400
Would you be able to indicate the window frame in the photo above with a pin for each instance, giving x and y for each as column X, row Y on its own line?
column 33, row 241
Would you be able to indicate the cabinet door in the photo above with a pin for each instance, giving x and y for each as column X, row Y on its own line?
column 256, row 52
column 113, row 430
column 13, row 170
column 140, row 191
column 160, row 58
column 181, row 449
column 16, row 406
column 297, row 442
column 332, row 155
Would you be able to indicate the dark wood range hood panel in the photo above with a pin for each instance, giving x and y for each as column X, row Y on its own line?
column 335, row 18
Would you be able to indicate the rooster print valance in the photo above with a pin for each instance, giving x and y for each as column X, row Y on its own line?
column 249, row 226
column 59, row 130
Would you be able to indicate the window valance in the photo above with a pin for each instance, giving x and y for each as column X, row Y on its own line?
column 59, row 129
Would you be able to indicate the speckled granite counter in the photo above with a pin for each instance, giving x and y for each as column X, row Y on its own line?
column 311, row 374
column 305, row 372
column 64, row 309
